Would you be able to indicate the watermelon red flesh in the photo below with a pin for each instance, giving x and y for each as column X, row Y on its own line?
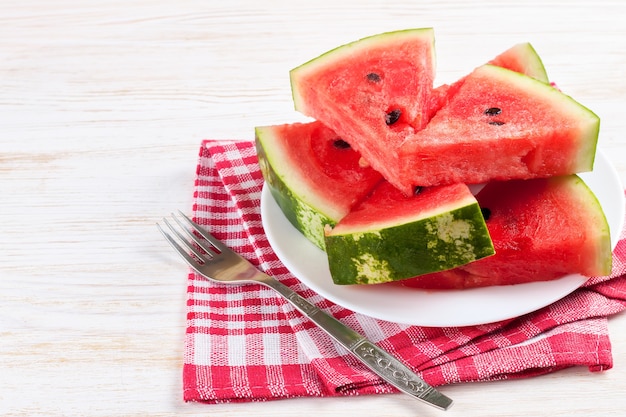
column 499, row 125
column 391, row 237
column 314, row 176
column 387, row 207
column 521, row 58
column 372, row 92
column 542, row 229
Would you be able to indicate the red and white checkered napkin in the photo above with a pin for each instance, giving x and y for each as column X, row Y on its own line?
column 245, row 343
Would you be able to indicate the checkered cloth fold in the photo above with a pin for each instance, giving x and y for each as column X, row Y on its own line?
column 245, row 343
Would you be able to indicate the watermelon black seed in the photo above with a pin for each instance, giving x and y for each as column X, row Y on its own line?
column 496, row 123
column 417, row 190
column 493, row 111
column 341, row 144
column 373, row 77
column 485, row 212
column 393, row 116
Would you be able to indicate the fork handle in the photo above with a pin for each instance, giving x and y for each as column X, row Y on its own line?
column 379, row 361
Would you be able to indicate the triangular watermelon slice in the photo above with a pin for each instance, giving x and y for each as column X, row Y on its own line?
column 390, row 236
column 373, row 92
column 521, row 57
column 542, row 229
column 314, row 176
column 499, row 125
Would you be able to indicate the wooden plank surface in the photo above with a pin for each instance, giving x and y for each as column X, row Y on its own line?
column 103, row 105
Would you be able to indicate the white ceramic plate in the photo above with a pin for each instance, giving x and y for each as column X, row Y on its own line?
column 427, row 307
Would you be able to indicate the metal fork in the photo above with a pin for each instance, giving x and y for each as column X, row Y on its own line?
column 215, row 261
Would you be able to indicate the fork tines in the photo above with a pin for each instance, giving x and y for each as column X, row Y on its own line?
column 205, row 247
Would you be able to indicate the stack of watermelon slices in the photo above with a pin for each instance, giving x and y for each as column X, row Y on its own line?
column 380, row 180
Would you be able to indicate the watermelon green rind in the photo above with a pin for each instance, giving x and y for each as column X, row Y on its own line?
column 435, row 243
column 306, row 219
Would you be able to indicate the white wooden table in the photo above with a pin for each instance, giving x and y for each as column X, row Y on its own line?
column 103, row 105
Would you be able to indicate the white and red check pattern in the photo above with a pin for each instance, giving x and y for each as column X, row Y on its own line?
column 245, row 343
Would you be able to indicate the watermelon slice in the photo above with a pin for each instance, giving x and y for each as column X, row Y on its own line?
column 314, row 176
column 499, row 125
column 390, row 237
column 373, row 92
column 542, row 229
column 522, row 58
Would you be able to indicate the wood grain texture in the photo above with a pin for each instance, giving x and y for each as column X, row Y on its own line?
column 103, row 105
